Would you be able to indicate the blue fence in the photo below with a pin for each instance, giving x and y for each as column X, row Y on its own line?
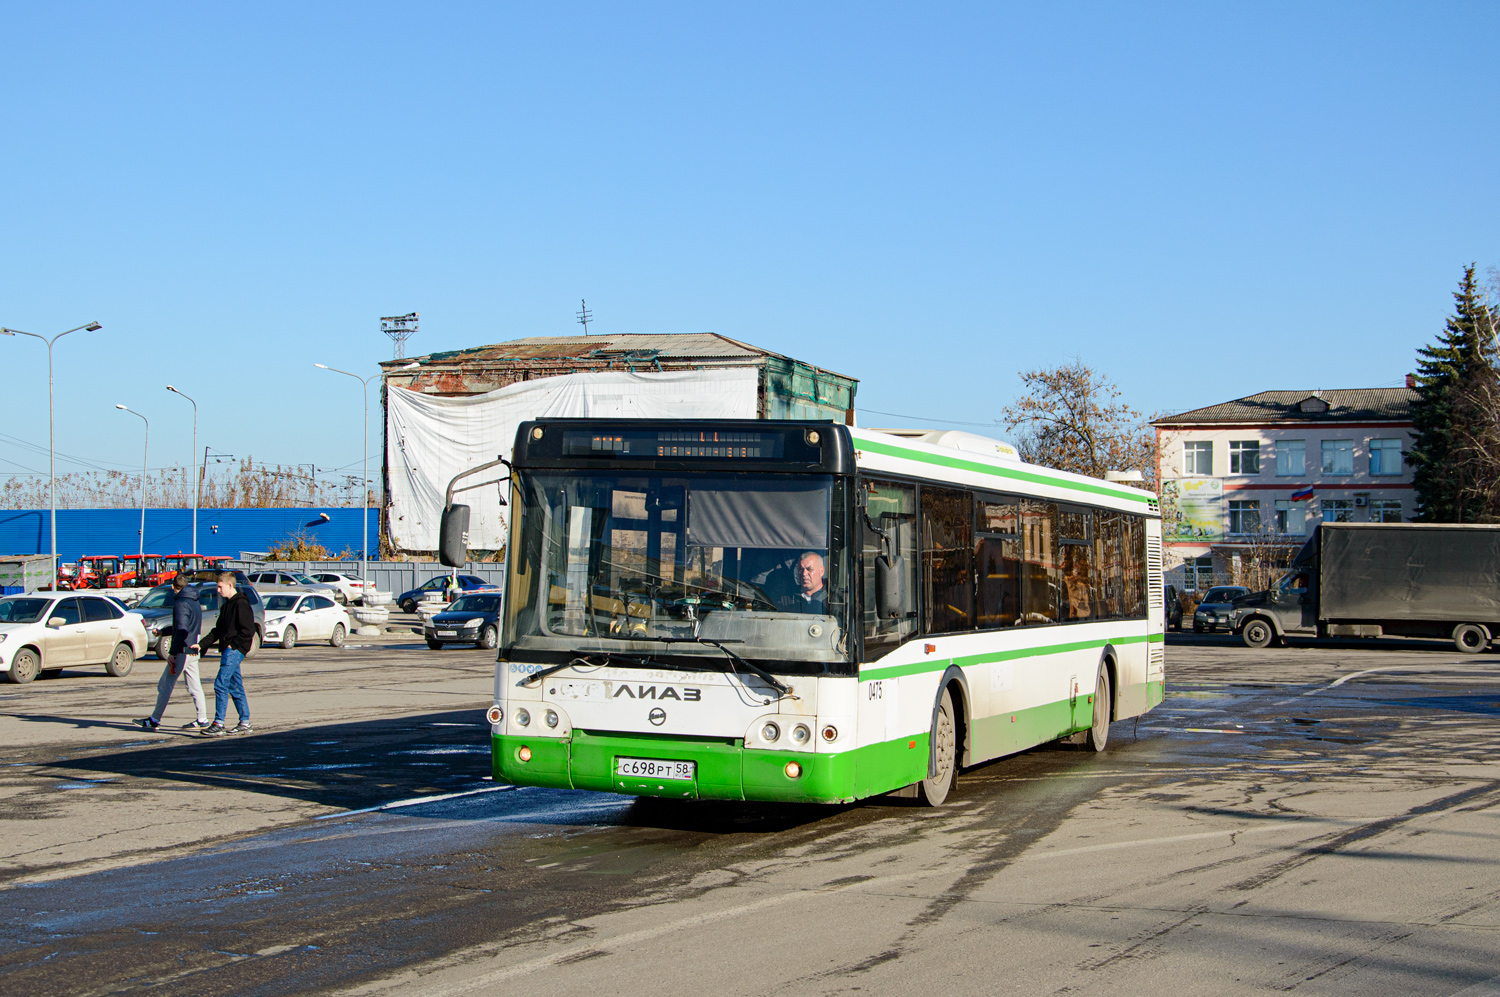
column 169, row 531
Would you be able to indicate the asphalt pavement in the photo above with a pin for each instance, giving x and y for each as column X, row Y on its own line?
column 1313, row 819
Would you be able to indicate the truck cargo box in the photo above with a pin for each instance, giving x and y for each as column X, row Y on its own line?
column 1409, row 571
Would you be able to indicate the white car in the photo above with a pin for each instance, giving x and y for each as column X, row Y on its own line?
column 291, row 581
column 291, row 617
column 49, row 631
column 350, row 588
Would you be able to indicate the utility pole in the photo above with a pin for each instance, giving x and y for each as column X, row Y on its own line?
column 584, row 315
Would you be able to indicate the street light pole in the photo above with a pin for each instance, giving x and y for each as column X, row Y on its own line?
column 364, row 525
column 51, row 433
column 145, row 454
column 198, row 485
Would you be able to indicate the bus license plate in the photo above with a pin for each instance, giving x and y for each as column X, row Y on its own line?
column 650, row 768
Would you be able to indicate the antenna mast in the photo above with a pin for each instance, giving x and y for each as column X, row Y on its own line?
column 400, row 328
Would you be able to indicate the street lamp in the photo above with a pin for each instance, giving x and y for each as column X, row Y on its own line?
column 364, row 523
column 145, row 452
column 198, row 487
column 51, row 449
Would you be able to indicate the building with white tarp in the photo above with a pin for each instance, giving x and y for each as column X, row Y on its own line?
column 459, row 409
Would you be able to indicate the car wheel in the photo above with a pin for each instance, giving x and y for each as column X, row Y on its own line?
column 164, row 646
column 1258, row 633
column 489, row 637
column 337, row 640
column 288, row 638
column 122, row 661
column 1197, row 629
column 23, row 667
column 434, row 645
column 408, row 605
column 341, row 599
column 255, row 643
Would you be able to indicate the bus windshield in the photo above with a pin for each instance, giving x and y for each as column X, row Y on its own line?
column 609, row 561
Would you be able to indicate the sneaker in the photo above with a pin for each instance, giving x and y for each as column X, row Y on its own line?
column 195, row 725
column 214, row 729
column 243, row 727
column 146, row 723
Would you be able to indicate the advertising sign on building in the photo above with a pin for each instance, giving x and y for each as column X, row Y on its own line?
column 1193, row 510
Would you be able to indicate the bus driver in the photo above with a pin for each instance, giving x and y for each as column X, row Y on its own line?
column 810, row 596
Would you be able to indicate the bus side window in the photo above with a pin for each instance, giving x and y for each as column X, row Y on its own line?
column 997, row 564
column 891, row 509
column 947, row 560
column 1042, row 574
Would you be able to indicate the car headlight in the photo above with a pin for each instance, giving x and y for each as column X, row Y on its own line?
column 475, row 621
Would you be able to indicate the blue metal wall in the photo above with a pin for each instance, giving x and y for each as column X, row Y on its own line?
column 169, row 531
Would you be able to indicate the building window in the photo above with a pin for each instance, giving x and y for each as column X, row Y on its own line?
column 1244, row 457
column 1291, row 517
column 1291, row 458
column 1385, row 457
column 1198, row 458
column 1338, row 510
column 1385, row 511
column 1338, row 457
column 1244, row 516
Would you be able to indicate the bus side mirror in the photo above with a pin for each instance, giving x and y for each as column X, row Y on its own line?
column 453, row 536
column 890, row 586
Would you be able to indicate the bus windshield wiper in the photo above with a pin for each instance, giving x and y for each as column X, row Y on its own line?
column 734, row 660
column 611, row 659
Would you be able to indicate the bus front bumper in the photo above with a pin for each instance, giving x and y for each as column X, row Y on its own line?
column 723, row 769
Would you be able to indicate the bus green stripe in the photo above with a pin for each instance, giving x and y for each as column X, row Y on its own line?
column 939, row 664
column 1130, row 494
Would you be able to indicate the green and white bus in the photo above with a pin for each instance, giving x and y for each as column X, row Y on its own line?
column 810, row 612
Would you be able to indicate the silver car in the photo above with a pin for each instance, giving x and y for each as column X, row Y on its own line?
column 49, row 631
column 268, row 581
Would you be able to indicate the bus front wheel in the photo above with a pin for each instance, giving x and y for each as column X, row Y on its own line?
column 934, row 790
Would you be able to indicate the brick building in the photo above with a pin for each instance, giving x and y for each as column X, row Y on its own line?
column 1262, row 470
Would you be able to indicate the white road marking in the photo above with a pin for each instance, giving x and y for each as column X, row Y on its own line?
column 1419, row 669
column 416, row 800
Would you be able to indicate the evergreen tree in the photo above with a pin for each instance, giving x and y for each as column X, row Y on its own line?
column 1456, row 377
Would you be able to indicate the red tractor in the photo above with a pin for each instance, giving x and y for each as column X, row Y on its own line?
column 140, row 571
column 94, row 570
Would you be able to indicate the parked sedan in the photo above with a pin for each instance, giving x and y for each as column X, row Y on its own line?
column 156, row 610
column 350, row 588
column 291, row 581
column 472, row 619
column 291, row 617
column 47, row 632
column 1213, row 612
column 466, row 583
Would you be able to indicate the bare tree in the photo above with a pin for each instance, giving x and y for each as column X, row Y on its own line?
column 1071, row 418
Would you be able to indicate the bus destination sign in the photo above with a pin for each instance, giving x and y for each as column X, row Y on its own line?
column 668, row 444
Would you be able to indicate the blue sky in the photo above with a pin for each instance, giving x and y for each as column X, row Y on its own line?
column 1203, row 201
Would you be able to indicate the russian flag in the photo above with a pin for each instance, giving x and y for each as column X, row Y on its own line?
column 1303, row 495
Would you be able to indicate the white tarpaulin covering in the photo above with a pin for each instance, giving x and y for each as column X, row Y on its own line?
column 430, row 438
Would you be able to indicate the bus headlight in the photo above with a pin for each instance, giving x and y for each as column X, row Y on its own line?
column 524, row 754
column 523, row 718
column 770, row 732
column 793, row 770
column 550, row 718
column 800, row 733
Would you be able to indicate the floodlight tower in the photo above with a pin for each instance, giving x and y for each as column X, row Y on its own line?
column 400, row 328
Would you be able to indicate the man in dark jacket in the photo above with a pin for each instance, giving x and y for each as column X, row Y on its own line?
column 182, row 657
column 235, row 634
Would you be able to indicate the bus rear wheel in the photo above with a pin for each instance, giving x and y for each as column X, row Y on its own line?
column 1098, row 735
column 934, row 790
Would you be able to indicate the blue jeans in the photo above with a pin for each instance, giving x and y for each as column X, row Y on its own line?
column 227, row 684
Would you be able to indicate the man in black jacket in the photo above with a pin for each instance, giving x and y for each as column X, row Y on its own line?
column 182, row 657
column 235, row 633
